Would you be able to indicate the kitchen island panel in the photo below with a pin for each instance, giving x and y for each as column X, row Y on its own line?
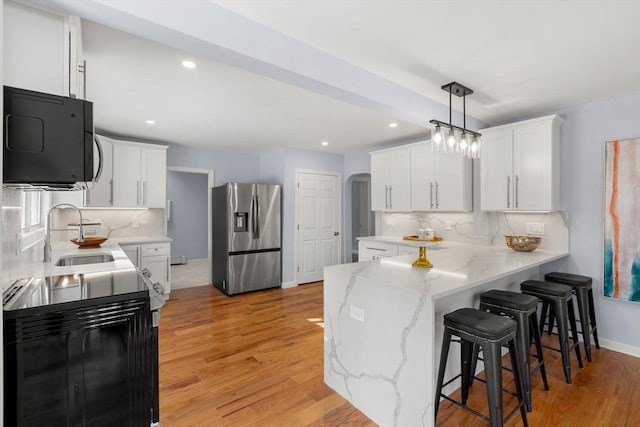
column 386, row 364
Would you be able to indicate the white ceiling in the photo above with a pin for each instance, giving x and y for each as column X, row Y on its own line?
column 522, row 58
column 131, row 79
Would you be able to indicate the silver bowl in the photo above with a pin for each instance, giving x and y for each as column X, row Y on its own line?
column 523, row 243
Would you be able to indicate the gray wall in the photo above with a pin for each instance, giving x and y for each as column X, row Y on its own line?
column 188, row 193
column 228, row 166
column 584, row 133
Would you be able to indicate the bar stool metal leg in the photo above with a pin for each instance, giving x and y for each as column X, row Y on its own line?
column 444, row 354
column 535, row 333
column 592, row 319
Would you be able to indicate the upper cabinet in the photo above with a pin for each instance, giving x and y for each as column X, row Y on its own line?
column 520, row 166
column 139, row 175
column 440, row 181
column 101, row 194
column 42, row 51
column 391, row 180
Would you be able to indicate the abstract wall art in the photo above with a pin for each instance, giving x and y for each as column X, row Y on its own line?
column 622, row 220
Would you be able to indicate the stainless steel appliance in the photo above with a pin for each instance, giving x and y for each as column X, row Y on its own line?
column 246, row 241
column 48, row 141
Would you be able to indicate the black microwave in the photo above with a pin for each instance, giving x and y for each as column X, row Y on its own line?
column 48, row 141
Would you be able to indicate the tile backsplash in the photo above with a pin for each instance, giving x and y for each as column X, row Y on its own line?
column 477, row 227
column 116, row 222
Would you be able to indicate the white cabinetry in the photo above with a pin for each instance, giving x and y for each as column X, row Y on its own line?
column 101, row 194
column 154, row 257
column 133, row 253
column 368, row 250
column 440, row 181
column 391, row 180
column 139, row 175
column 520, row 166
column 42, row 50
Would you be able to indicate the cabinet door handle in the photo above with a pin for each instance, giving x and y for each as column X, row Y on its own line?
column 390, row 197
column 386, row 197
column 508, row 196
column 137, row 193
column 517, row 182
column 431, row 194
column 144, row 193
column 437, row 195
column 111, row 192
column 83, row 69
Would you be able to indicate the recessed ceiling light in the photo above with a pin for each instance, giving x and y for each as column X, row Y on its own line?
column 393, row 125
column 189, row 64
column 151, row 122
column 324, row 143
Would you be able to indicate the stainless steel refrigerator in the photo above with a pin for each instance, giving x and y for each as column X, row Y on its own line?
column 246, row 227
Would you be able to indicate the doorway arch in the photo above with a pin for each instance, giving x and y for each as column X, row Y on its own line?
column 359, row 219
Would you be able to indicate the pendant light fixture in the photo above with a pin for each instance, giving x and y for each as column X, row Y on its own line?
column 459, row 140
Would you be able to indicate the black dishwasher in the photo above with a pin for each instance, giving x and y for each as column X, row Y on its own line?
column 78, row 351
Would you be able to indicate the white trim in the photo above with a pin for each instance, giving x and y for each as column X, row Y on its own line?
column 288, row 285
column 210, row 184
column 338, row 175
column 618, row 346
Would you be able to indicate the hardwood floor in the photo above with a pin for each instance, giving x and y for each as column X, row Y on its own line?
column 257, row 360
column 249, row 360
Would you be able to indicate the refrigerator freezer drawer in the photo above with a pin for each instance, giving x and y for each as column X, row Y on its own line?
column 253, row 271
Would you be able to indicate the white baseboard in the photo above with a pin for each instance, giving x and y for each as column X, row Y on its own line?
column 286, row 285
column 619, row 347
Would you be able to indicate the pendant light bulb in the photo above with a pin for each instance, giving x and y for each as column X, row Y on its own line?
column 474, row 148
column 451, row 140
column 437, row 135
column 464, row 144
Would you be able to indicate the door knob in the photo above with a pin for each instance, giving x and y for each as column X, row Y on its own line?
column 336, row 233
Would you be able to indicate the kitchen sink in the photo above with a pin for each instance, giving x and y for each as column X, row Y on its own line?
column 84, row 259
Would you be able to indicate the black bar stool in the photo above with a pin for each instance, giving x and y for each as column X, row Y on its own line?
column 523, row 309
column 581, row 286
column 490, row 332
column 558, row 297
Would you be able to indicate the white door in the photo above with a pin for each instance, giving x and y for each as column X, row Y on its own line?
column 422, row 181
column 400, row 179
column 532, row 167
column 154, row 177
column 496, row 168
column 126, row 175
column 379, row 181
column 102, row 192
column 318, row 228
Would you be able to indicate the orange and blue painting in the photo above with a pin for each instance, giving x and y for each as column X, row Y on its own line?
column 622, row 220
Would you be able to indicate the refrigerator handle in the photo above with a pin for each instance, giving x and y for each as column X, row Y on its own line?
column 253, row 217
column 257, row 216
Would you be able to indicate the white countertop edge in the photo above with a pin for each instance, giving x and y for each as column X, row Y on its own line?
column 413, row 279
column 141, row 240
column 553, row 257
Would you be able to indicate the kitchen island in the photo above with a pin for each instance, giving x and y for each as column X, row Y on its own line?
column 383, row 323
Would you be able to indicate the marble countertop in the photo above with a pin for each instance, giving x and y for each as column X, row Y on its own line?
column 63, row 249
column 139, row 240
column 457, row 267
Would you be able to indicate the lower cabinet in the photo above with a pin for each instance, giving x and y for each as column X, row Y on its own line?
column 369, row 250
column 86, row 365
column 155, row 257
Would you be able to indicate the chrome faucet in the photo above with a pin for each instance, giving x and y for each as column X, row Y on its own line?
column 47, row 237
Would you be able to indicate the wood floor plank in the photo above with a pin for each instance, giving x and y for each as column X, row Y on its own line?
column 257, row 360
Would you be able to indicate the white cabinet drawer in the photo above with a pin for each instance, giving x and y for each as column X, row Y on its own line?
column 383, row 249
column 152, row 249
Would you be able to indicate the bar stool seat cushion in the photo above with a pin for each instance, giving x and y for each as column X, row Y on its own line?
column 574, row 280
column 480, row 323
column 511, row 300
column 546, row 288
